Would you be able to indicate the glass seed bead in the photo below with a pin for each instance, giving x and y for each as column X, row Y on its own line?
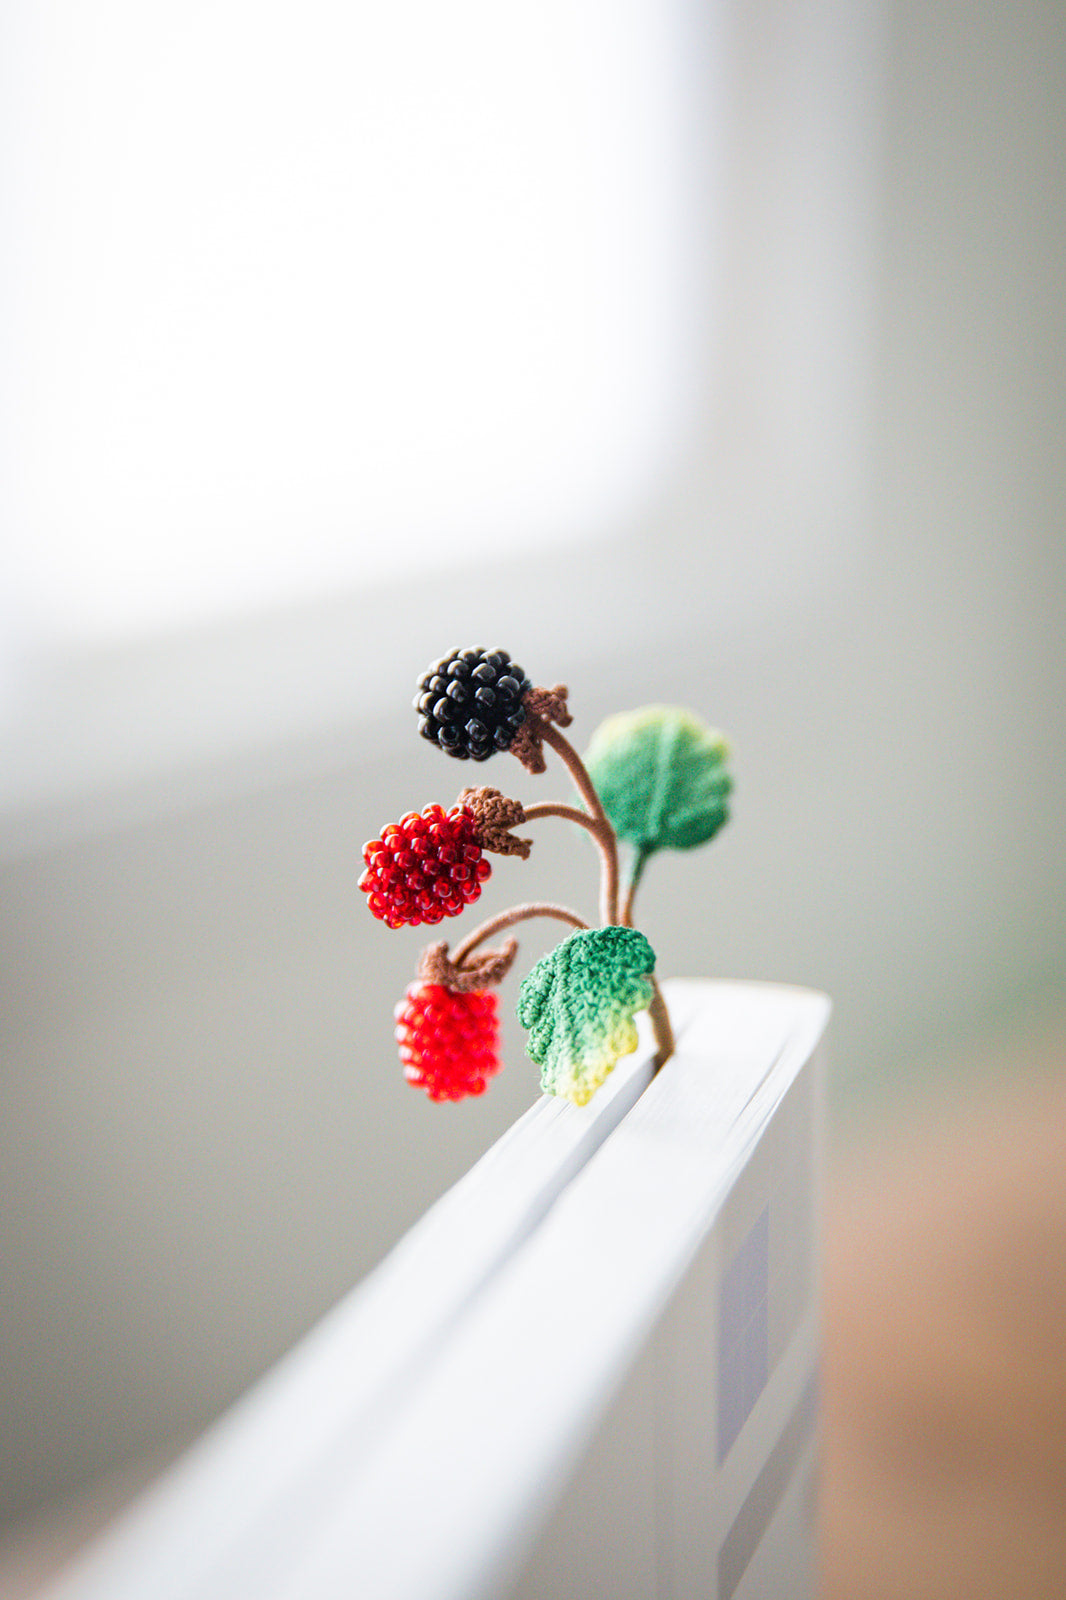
column 407, row 880
column 458, row 678
column 448, row 1042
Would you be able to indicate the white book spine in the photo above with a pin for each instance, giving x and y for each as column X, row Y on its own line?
column 590, row 1369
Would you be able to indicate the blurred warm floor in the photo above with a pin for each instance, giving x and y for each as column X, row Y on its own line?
column 945, row 1447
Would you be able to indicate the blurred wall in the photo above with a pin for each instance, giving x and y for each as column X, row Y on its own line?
column 207, row 1140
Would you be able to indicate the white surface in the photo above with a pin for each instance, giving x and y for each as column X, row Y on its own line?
column 292, row 283
column 413, row 1445
column 327, row 1401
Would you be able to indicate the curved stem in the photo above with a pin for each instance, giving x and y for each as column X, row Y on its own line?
column 660, row 1022
column 602, row 833
column 562, row 747
column 507, row 919
column 605, row 837
column 555, row 808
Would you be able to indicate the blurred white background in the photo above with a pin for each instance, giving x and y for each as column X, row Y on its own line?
column 694, row 352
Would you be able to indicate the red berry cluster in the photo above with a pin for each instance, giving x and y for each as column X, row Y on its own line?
column 449, row 1042
column 425, row 867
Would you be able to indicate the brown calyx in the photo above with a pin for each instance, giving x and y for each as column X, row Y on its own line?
column 542, row 705
column 496, row 815
column 483, row 971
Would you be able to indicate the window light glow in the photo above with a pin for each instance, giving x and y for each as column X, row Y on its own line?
column 296, row 295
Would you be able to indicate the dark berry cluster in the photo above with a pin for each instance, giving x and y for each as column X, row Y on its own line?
column 449, row 1042
column 425, row 867
column 470, row 703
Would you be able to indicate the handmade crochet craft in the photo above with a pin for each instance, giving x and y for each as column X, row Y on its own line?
column 653, row 779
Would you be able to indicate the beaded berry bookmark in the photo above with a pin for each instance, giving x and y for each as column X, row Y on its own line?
column 652, row 779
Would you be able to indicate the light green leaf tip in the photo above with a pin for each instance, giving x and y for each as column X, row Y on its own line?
column 579, row 1003
column 662, row 777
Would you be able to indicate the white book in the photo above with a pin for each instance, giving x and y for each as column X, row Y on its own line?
column 590, row 1369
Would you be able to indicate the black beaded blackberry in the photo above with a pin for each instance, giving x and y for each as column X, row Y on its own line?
column 470, row 703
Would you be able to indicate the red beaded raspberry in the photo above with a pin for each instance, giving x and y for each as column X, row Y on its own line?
column 449, row 1042
column 425, row 867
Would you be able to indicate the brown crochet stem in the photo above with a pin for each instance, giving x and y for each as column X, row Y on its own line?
column 596, row 821
column 507, row 919
column 600, row 827
column 660, row 1026
column 555, row 808
column 597, row 826
column 605, row 835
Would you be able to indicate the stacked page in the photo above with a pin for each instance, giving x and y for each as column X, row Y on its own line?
column 589, row 1369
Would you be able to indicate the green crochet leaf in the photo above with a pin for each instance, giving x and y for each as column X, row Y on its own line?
column 579, row 1003
column 662, row 778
